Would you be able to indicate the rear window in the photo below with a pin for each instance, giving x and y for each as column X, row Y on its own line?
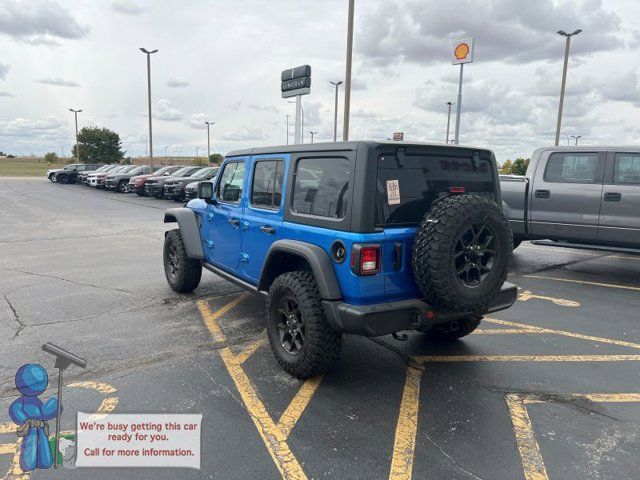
column 573, row 167
column 407, row 188
column 627, row 168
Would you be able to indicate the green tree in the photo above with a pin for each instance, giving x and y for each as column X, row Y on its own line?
column 216, row 158
column 99, row 145
column 506, row 167
column 50, row 157
column 519, row 166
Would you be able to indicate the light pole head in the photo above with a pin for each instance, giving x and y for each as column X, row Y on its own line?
column 562, row 32
column 144, row 50
column 336, row 83
column 209, row 123
column 576, row 32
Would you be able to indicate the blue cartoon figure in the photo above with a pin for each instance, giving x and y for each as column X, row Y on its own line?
column 31, row 415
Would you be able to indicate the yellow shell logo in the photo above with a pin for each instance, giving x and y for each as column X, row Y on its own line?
column 461, row 51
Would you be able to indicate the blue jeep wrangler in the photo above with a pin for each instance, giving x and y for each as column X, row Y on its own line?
column 368, row 238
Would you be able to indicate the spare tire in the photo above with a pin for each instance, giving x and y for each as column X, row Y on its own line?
column 461, row 252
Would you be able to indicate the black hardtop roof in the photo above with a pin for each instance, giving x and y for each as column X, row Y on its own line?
column 340, row 147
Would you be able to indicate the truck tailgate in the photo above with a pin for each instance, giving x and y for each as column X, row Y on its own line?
column 515, row 189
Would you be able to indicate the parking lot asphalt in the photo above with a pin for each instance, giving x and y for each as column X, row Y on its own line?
column 547, row 389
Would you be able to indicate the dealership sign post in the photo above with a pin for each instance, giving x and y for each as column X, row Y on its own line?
column 462, row 53
column 296, row 82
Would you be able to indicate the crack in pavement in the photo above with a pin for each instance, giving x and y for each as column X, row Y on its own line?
column 16, row 317
column 453, row 460
column 74, row 282
column 75, row 237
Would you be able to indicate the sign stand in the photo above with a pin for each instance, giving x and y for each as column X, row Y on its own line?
column 462, row 53
column 298, row 130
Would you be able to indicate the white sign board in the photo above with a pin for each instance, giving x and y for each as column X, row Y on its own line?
column 462, row 51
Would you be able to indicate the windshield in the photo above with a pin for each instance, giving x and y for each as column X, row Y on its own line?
column 162, row 171
column 202, row 173
column 183, row 172
column 71, row 167
column 407, row 188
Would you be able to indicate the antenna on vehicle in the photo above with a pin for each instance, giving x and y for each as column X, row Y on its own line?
column 63, row 360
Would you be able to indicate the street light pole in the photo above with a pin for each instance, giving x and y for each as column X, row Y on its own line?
column 347, row 75
column 209, row 141
column 448, row 121
column 312, row 134
column 576, row 137
column 564, row 78
column 75, row 113
column 335, row 116
column 148, row 54
column 287, row 129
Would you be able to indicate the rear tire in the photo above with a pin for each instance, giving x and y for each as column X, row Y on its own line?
column 122, row 186
column 516, row 242
column 461, row 253
column 63, row 179
column 452, row 331
column 183, row 273
column 301, row 339
column 52, row 177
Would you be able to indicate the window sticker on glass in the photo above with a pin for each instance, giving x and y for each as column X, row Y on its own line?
column 393, row 192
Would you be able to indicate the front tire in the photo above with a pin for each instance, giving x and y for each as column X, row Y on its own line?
column 122, row 186
column 63, row 179
column 301, row 339
column 452, row 331
column 183, row 273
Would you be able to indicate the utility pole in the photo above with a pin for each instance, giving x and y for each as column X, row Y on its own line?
column 75, row 113
column 456, row 137
column 564, row 77
column 209, row 141
column 347, row 75
column 287, row 129
column 448, row 121
column 312, row 134
column 335, row 116
column 148, row 54
column 576, row 137
column 197, row 154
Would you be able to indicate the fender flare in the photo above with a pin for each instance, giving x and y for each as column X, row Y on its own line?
column 315, row 256
column 189, row 230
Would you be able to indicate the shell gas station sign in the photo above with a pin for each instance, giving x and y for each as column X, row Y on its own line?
column 462, row 51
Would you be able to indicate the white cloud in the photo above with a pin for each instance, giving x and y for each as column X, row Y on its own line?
column 25, row 127
column 58, row 82
column 127, row 8
column 4, row 69
column 197, row 121
column 164, row 110
column 38, row 20
column 247, row 134
column 175, row 83
column 5, row 94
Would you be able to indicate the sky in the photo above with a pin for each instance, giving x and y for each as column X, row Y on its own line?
column 220, row 61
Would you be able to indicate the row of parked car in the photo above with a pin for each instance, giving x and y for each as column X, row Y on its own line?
column 177, row 182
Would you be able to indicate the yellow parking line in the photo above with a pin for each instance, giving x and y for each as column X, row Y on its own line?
column 407, row 427
column 299, row 403
column 502, row 331
column 7, row 448
column 564, row 333
column 244, row 355
column 8, row 427
column 593, row 397
column 526, row 358
column 97, row 386
column 532, row 461
column 527, row 295
column 272, row 435
column 584, row 282
column 209, row 318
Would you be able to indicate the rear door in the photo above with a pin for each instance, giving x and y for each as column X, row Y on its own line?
column 406, row 190
column 262, row 220
column 620, row 210
column 565, row 196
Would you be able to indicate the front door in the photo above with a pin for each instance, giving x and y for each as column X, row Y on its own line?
column 566, row 196
column 223, row 236
column 619, row 217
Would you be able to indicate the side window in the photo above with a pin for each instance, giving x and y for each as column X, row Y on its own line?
column 230, row 186
column 573, row 167
column 321, row 186
column 626, row 168
column 266, row 190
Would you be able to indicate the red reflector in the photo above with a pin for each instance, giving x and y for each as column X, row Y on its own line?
column 429, row 314
column 457, row 189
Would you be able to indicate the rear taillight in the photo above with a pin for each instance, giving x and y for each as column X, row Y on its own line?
column 366, row 259
column 457, row 189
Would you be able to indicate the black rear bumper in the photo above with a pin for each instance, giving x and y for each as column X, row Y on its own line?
column 385, row 318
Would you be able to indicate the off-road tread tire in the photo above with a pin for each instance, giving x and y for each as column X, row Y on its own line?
column 191, row 269
column 433, row 250
column 452, row 331
column 322, row 345
column 516, row 242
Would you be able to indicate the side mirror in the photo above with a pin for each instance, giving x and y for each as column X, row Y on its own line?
column 205, row 192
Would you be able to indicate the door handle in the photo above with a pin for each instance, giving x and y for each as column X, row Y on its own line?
column 268, row 230
column 612, row 197
column 542, row 193
column 234, row 221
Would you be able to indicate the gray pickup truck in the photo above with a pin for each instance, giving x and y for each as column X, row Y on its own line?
column 577, row 196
